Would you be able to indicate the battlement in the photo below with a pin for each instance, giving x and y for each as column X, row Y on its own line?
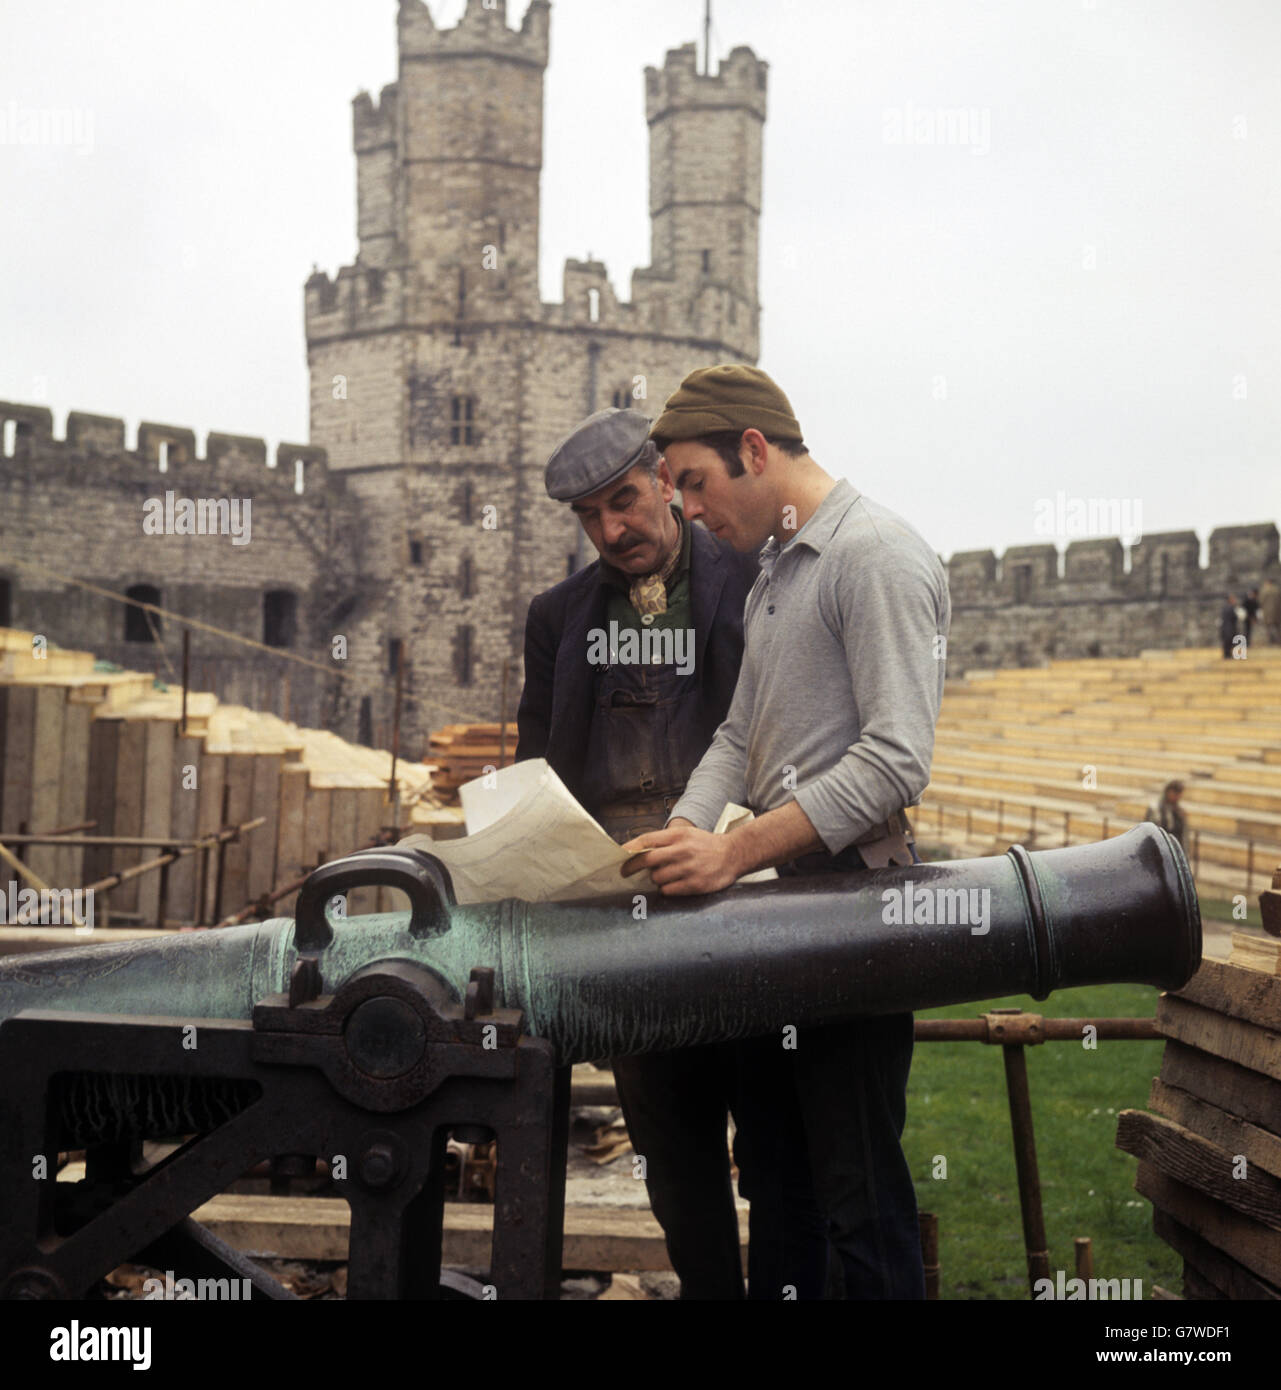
column 1162, row 565
column 229, row 460
column 482, row 32
column 740, row 80
column 375, row 125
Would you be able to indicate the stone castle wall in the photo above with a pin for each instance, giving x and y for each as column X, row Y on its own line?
column 424, row 534
column 1035, row 604
column 76, row 507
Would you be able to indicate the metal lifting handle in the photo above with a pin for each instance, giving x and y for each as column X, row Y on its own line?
column 418, row 874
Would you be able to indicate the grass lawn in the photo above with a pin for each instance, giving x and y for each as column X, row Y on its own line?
column 957, row 1108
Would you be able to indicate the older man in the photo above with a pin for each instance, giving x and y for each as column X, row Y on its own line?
column 623, row 734
column 828, row 740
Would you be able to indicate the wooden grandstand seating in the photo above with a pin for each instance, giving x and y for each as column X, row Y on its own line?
column 1013, row 746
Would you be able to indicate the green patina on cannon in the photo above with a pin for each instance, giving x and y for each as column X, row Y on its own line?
column 366, row 1042
column 598, row 979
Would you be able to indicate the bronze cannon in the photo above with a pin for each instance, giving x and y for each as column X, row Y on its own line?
column 370, row 1039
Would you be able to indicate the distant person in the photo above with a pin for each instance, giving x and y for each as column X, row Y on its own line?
column 1250, row 605
column 1166, row 812
column 1229, row 624
column 1270, row 611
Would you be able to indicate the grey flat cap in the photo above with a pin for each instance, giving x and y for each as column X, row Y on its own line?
column 597, row 453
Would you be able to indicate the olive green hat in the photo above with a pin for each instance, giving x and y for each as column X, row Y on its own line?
column 729, row 397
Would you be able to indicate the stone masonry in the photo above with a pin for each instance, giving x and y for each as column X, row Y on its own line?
column 440, row 382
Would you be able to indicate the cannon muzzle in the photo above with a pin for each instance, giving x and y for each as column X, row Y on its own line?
column 630, row 974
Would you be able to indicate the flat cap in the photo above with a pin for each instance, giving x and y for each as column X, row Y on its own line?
column 729, row 397
column 597, row 453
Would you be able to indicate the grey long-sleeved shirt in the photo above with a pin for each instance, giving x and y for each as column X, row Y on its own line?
column 842, row 676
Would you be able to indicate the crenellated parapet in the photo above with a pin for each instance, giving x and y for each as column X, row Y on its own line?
column 374, row 124
column 742, row 80
column 481, row 32
column 355, row 300
column 1161, row 565
column 229, row 463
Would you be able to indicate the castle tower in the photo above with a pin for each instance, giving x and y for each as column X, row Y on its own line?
column 440, row 382
column 705, row 135
column 470, row 132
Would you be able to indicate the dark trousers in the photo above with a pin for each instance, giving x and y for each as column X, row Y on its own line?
column 818, row 1129
column 676, row 1105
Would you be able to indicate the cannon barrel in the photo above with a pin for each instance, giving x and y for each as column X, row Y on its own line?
column 618, row 976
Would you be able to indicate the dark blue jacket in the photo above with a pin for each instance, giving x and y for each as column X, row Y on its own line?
column 556, row 704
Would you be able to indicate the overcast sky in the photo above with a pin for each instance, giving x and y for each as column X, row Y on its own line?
column 1075, row 293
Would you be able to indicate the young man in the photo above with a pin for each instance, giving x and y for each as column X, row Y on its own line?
column 623, row 735
column 828, row 740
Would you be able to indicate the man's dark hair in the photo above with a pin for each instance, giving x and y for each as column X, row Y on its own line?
column 727, row 443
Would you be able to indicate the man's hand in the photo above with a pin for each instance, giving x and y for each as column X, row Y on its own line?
column 683, row 859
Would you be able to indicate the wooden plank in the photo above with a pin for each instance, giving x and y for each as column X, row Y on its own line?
column 22, row 941
column 1177, row 1152
column 1248, row 1242
column 100, row 802
column 1246, row 1094
column 19, row 745
column 1219, row 1126
column 73, row 792
column 1255, row 953
column 235, row 879
column 317, row 1228
column 157, row 806
column 316, row 840
column 184, row 818
column 212, row 777
column 369, row 814
column 1243, row 1043
column 1197, row 1286
column 46, row 778
column 1239, row 993
column 262, row 842
column 130, row 769
column 1222, row 1270
column 291, row 832
column 342, row 821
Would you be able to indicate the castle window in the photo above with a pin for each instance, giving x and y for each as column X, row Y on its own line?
column 366, row 733
column 300, row 473
column 1022, row 582
column 622, row 398
column 460, row 420
column 463, row 655
column 465, row 577
column 593, row 305
column 1094, row 649
column 415, row 552
column 395, row 654
column 162, row 461
column 462, row 305
column 374, row 286
column 466, row 504
column 569, row 564
column 279, row 618
column 1161, row 575
column 707, row 262
column 6, row 602
column 10, row 438
column 141, row 626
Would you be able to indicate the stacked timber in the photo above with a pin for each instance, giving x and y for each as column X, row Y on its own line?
column 1210, row 1152
column 1078, row 750
column 462, row 752
column 105, row 752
